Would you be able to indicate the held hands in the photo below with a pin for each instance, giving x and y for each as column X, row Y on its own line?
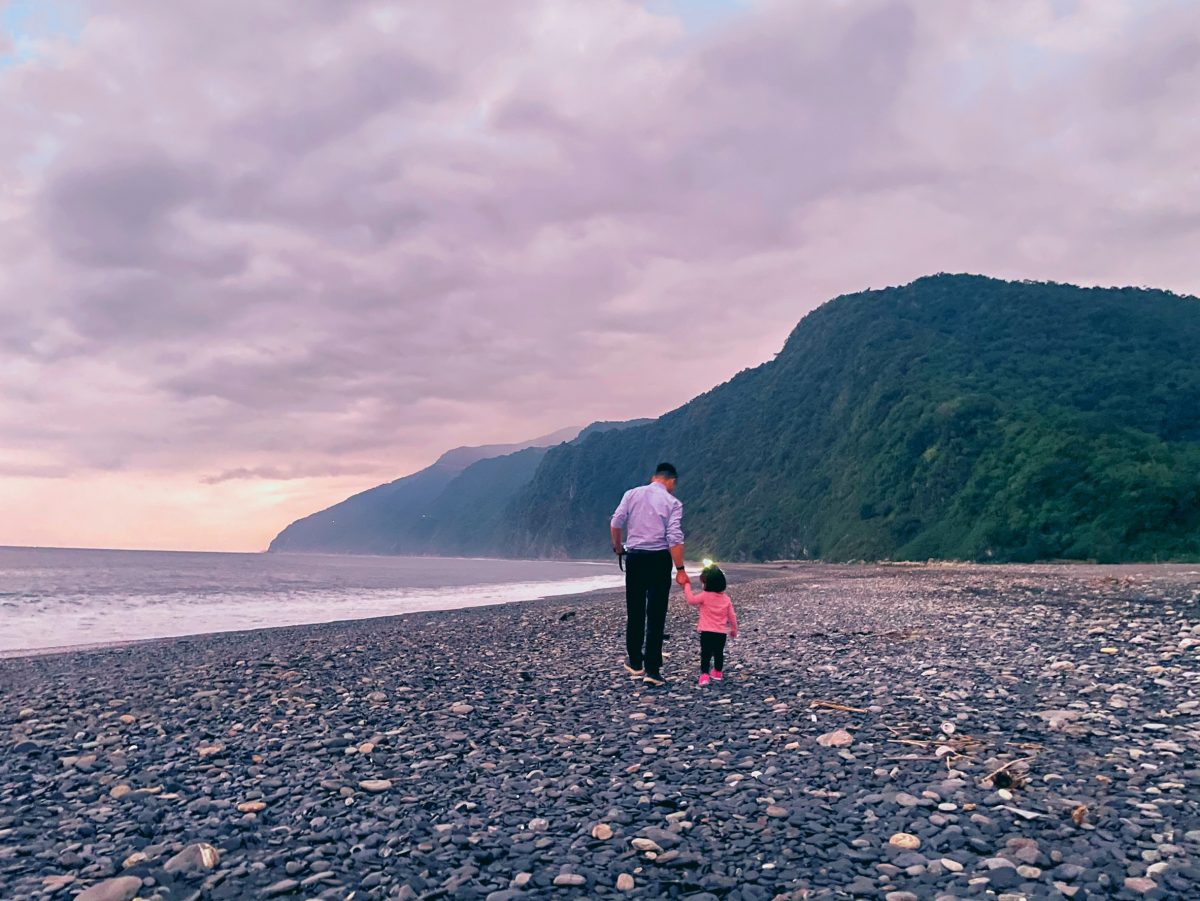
column 682, row 578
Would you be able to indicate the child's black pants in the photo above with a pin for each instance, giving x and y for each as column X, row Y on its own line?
column 712, row 651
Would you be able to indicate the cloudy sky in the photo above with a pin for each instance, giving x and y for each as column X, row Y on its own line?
column 256, row 255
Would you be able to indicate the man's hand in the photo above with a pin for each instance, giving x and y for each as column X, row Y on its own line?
column 617, row 539
column 682, row 578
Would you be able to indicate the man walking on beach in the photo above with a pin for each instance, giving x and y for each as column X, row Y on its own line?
column 651, row 518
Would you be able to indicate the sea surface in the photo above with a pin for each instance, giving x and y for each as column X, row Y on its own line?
column 58, row 598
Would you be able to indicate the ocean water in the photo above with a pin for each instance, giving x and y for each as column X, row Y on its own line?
column 52, row 598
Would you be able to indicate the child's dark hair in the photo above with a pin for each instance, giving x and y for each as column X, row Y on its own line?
column 713, row 578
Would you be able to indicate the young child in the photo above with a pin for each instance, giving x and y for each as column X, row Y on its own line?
column 716, row 616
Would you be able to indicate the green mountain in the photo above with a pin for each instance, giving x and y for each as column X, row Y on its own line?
column 955, row 417
column 453, row 508
column 385, row 519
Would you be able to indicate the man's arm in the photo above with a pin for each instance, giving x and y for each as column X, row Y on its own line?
column 681, row 575
column 675, row 541
column 617, row 525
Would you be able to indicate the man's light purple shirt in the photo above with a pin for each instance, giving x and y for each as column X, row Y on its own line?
column 652, row 518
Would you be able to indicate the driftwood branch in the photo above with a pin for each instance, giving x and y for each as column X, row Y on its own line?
column 996, row 773
column 835, row 706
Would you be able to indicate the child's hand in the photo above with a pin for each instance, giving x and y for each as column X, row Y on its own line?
column 733, row 634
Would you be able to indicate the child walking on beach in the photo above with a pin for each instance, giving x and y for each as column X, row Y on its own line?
column 716, row 618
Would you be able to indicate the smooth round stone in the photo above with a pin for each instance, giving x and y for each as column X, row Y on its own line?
column 123, row 888
column 196, row 858
column 1004, row 878
column 838, row 738
column 282, row 887
column 1140, row 884
column 905, row 840
column 863, row 885
column 375, row 786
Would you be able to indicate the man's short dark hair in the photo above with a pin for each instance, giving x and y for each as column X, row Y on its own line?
column 666, row 471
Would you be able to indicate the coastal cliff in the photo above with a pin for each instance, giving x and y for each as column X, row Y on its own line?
column 956, row 417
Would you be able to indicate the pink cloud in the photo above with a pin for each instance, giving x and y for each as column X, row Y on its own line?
column 334, row 239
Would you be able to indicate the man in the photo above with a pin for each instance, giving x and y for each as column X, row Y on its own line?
column 651, row 518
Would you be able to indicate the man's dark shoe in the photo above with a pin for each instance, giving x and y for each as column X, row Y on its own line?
column 654, row 679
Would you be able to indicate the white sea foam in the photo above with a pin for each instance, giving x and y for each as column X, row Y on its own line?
column 57, row 599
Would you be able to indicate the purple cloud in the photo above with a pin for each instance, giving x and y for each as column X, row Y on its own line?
column 309, row 243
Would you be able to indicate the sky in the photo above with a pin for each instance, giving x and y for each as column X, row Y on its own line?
column 257, row 255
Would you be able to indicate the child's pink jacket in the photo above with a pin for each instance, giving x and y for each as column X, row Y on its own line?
column 716, row 610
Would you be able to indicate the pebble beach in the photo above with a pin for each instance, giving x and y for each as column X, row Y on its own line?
column 883, row 731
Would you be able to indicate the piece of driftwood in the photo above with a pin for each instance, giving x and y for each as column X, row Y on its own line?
column 996, row 773
column 832, row 705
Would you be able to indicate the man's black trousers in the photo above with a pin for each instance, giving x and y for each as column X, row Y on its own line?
column 647, row 587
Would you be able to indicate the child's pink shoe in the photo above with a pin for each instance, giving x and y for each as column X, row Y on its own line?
column 703, row 679
column 716, row 675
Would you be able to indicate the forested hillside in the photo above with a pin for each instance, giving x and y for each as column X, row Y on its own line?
column 455, row 507
column 954, row 417
column 388, row 519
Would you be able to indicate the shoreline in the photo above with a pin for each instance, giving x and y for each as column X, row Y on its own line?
column 196, row 636
column 757, row 571
column 17, row 653
column 500, row 751
column 46, row 613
